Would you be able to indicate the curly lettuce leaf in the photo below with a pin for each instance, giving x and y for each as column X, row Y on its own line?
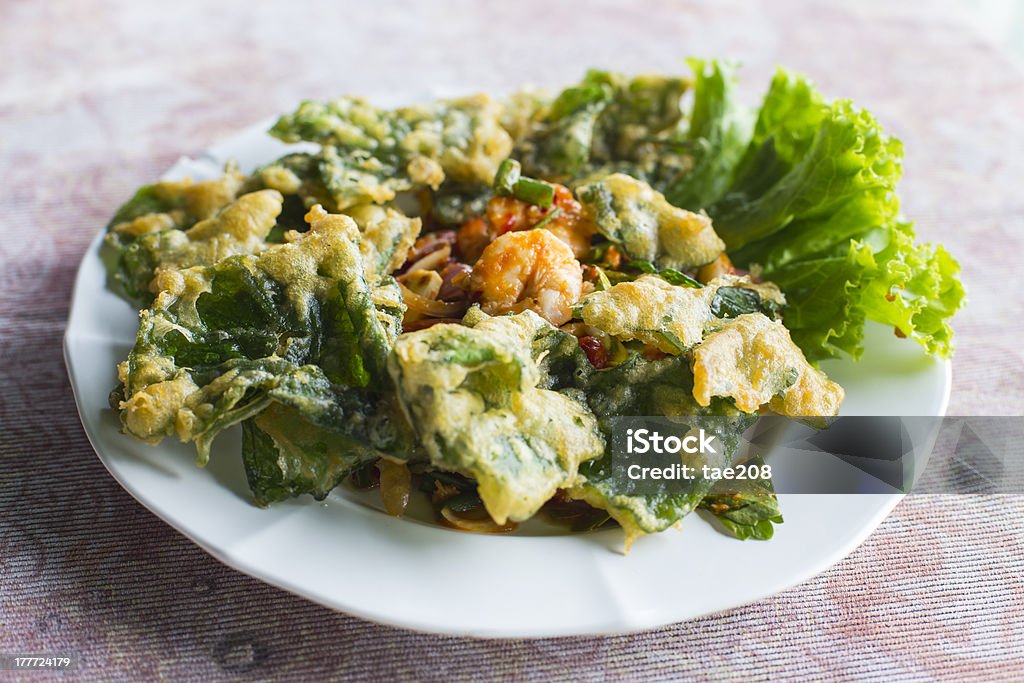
column 813, row 203
column 717, row 136
column 806, row 159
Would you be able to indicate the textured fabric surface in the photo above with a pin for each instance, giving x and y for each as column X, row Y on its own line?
column 97, row 98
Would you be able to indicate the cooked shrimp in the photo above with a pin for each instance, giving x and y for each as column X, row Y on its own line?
column 564, row 218
column 717, row 268
column 473, row 237
column 532, row 270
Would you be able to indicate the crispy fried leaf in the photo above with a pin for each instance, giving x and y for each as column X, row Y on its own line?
column 643, row 387
column 746, row 508
column 474, row 397
column 156, row 216
column 752, row 360
column 370, row 154
column 220, row 340
column 239, row 228
column 631, row 214
column 286, row 455
column 672, row 318
column 607, row 123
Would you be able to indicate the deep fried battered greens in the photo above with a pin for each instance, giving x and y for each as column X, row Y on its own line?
column 671, row 318
column 592, row 223
column 473, row 395
column 154, row 218
column 753, row 361
column 371, row 154
column 219, row 339
column 637, row 217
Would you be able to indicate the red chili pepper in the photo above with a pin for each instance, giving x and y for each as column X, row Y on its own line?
column 596, row 353
column 653, row 353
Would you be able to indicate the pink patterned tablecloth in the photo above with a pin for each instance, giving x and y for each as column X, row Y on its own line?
column 97, row 98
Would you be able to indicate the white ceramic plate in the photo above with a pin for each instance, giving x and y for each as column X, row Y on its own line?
column 346, row 555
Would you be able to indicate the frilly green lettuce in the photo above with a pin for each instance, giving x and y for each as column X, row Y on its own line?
column 813, row 204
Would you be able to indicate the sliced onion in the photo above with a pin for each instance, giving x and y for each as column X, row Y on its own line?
column 426, row 283
column 454, row 281
column 482, row 524
column 430, row 307
column 395, row 486
column 578, row 329
column 433, row 260
column 424, row 323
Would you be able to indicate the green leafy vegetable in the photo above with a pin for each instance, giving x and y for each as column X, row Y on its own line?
column 642, row 113
column 222, row 342
column 295, row 175
column 385, row 237
column 752, row 360
column 746, row 508
column 474, row 397
column 453, row 204
column 607, row 123
column 286, row 455
column 813, row 202
column 732, row 302
column 631, row 214
column 718, row 133
column 370, row 154
column 669, row 275
column 643, row 387
column 806, row 159
column 672, row 318
column 272, row 313
column 357, row 177
column 239, row 228
column 153, row 221
column 562, row 150
column 651, row 310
